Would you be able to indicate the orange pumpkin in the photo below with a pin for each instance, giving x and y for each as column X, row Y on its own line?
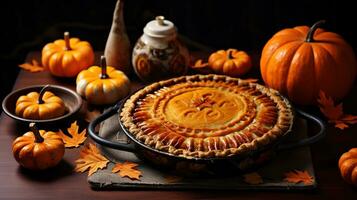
column 38, row 149
column 348, row 166
column 301, row 61
column 66, row 58
column 102, row 85
column 230, row 62
column 43, row 105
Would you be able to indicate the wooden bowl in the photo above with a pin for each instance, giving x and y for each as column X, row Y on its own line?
column 72, row 101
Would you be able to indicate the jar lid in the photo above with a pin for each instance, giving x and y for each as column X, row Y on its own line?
column 160, row 28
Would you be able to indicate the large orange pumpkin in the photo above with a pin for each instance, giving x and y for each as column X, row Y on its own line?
column 299, row 62
column 67, row 57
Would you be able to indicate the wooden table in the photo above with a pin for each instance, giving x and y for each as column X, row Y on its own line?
column 62, row 183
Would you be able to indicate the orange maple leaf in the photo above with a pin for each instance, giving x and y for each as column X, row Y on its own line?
column 328, row 108
column 335, row 113
column 90, row 159
column 173, row 179
column 199, row 64
column 253, row 178
column 34, row 66
column 75, row 139
column 297, row 176
column 126, row 169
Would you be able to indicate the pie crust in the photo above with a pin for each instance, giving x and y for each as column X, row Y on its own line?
column 204, row 116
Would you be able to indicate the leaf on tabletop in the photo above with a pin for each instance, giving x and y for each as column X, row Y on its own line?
column 253, row 178
column 328, row 108
column 75, row 139
column 34, row 66
column 90, row 159
column 341, row 125
column 335, row 113
column 172, row 179
column 297, row 176
column 199, row 64
column 127, row 169
column 91, row 115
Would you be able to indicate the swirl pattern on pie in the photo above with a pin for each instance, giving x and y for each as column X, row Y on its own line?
column 203, row 116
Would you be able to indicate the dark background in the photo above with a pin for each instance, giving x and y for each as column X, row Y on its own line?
column 247, row 25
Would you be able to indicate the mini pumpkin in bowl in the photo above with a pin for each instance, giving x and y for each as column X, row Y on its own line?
column 41, row 103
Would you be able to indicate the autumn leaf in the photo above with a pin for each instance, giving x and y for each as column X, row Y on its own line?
column 172, row 179
column 341, row 125
column 200, row 64
column 328, row 108
column 34, row 66
column 126, row 169
column 90, row 159
column 253, row 178
column 91, row 115
column 335, row 113
column 297, row 176
column 75, row 138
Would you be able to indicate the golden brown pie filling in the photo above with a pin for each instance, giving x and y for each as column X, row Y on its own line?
column 207, row 116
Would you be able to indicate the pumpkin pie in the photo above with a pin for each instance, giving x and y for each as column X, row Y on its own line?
column 205, row 116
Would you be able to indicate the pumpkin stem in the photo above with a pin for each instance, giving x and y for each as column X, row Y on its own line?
column 310, row 34
column 36, row 132
column 66, row 40
column 229, row 54
column 42, row 92
column 103, row 65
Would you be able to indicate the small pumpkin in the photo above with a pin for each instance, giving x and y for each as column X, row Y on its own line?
column 39, row 106
column 102, row 85
column 301, row 61
column 348, row 166
column 38, row 149
column 229, row 62
column 66, row 58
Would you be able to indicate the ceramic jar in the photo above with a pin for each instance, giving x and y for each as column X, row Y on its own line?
column 158, row 54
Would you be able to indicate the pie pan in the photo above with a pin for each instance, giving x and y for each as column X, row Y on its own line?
column 238, row 162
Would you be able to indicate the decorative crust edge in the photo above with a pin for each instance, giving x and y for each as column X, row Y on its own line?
column 281, row 128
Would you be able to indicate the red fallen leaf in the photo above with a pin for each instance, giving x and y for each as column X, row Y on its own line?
column 253, row 178
column 297, row 176
column 328, row 108
column 173, row 179
column 335, row 113
column 32, row 67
